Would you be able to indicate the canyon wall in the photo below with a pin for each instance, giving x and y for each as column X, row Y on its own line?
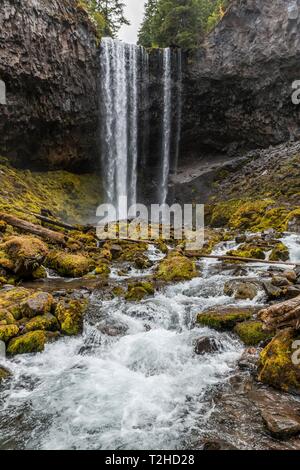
column 238, row 86
column 48, row 61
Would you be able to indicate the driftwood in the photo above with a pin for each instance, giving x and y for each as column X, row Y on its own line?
column 283, row 315
column 29, row 227
column 194, row 254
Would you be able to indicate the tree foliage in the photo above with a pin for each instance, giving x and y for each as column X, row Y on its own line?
column 108, row 15
column 180, row 23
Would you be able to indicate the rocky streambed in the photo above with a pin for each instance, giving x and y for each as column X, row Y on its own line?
column 161, row 353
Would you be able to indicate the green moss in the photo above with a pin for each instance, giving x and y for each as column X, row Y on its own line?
column 276, row 367
column 39, row 273
column 248, row 251
column 225, row 319
column 11, row 301
column 42, row 322
column 74, row 198
column 29, row 343
column 118, row 292
column 251, row 333
column 7, row 332
column 6, row 318
column 69, row 265
column 70, row 316
column 280, row 253
column 102, row 270
column 3, row 226
column 138, row 291
column 176, row 267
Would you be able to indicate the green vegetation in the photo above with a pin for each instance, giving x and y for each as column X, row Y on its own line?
column 224, row 319
column 251, row 332
column 107, row 15
column 181, row 23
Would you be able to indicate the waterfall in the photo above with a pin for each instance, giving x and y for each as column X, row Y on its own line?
column 125, row 101
column 119, row 129
column 167, row 121
column 179, row 109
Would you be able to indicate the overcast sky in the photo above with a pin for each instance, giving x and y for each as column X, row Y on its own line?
column 134, row 13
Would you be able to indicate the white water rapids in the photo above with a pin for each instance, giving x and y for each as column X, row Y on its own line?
column 142, row 390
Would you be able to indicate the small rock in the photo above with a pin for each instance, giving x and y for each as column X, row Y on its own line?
column 290, row 275
column 280, row 281
column 38, row 303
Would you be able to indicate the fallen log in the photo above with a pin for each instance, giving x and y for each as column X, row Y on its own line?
column 193, row 254
column 57, row 223
column 38, row 230
column 283, row 315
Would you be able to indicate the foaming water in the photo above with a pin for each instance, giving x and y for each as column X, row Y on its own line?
column 143, row 388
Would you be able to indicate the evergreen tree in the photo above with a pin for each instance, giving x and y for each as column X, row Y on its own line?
column 107, row 14
column 180, row 23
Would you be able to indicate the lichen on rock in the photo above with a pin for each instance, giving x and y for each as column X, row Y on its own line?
column 70, row 313
column 176, row 267
column 69, row 264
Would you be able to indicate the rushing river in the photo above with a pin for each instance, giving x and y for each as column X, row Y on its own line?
column 143, row 389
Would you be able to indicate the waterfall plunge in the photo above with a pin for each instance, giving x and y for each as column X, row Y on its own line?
column 123, row 67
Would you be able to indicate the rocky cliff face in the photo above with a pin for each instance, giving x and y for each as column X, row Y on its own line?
column 48, row 61
column 238, row 86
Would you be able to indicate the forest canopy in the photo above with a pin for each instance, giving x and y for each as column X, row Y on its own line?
column 181, row 23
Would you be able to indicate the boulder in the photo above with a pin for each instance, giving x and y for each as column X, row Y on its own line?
column 138, row 291
column 69, row 265
column 31, row 342
column 241, row 289
column 280, row 424
column 251, row 333
column 206, row 345
column 39, row 303
column 70, row 314
column 4, row 373
column 277, row 366
column 11, row 300
column 225, row 318
column 46, row 322
column 280, row 253
column 7, row 332
column 27, row 253
column 176, row 267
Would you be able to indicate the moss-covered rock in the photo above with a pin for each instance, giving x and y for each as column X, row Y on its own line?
column 27, row 253
column 11, row 300
column 45, row 322
column 139, row 291
column 6, row 318
column 31, row 342
column 102, row 269
column 276, row 367
column 70, row 316
column 251, row 332
column 69, row 265
column 176, row 267
column 39, row 303
column 39, row 273
column 7, row 332
column 280, row 253
column 3, row 226
column 248, row 251
column 224, row 318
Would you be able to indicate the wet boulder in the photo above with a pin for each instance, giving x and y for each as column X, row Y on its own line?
column 31, row 342
column 69, row 264
column 39, row 303
column 7, row 332
column 242, row 289
column 25, row 254
column 225, row 318
column 207, row 345
column 278, row 363
column 69, row 313
column 280, row 253
column 176, row 267
column 281, row 424
column 251, row 333
column 139, row 290
column 47, row 322
column 4, row 373
column 11, row 301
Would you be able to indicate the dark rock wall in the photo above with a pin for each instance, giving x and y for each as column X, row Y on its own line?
column 48, row 60
column 238, row 86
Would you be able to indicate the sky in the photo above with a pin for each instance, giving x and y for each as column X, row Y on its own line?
column 134, row 13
